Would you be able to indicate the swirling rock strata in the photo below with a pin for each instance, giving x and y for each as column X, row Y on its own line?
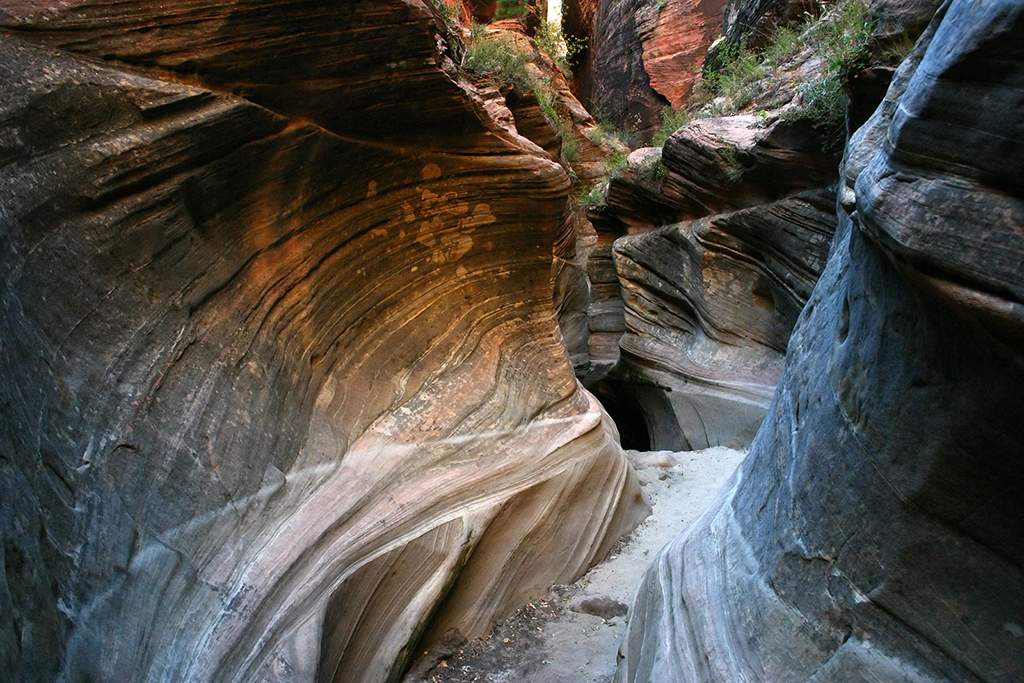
column 874, row 532
column 337, row 66
column 709, row 307
column 719, row 165
column 721, row 237
column 280, row 393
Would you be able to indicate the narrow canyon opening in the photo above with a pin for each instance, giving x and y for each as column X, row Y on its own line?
column 629, row 417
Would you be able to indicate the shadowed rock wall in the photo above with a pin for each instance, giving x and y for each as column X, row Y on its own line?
column 874, row 532
column 282, row 387
column 709, row 307
column 724, row 232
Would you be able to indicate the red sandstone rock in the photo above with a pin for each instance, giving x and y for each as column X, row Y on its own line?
column 673, row 51
column 644, row 55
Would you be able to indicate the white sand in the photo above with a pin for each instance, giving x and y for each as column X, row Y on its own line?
column 548, row 643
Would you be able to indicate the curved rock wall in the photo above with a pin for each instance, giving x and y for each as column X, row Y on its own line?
column 282, row 388
column 709, row 303
column 353, row 70
column 874, row 532
column 709, row 307
column 722, row 235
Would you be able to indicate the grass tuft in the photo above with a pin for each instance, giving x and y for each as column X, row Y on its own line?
column 671, row 121
column 596, row 198
column 512, row 9
column 840, row 38
column 652, row 168
column 497, row 57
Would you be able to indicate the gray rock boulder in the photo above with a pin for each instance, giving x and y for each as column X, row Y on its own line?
column 875, row 530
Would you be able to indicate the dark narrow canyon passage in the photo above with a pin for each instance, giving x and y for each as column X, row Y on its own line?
column 305, row 306
column 629, row 417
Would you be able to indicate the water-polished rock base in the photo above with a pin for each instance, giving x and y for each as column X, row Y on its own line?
column 874, row 532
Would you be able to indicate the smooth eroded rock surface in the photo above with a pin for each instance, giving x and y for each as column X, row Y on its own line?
column 282, row 396
column 719, row 238
column 709, row 307
column 874, row 532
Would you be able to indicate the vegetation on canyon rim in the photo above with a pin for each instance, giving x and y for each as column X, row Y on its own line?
column 512, row 9
column 840, row 39
column 449, row 13
column 498, row 56
column 502, row 58
column 548, row 35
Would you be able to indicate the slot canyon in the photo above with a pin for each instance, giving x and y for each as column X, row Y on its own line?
column 337, row 336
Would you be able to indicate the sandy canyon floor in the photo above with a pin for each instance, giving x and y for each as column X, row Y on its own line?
column 561, row 638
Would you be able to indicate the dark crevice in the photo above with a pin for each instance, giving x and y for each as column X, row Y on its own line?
column 634, row 432
column 642, row 410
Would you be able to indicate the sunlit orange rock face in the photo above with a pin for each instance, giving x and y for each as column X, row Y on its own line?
column 673, row 52
column 283, row 392
column 643, row 54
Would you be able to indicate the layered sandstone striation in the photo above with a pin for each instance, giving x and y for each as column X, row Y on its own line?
column 283, row 390
column 709, row 307
column 544, row 110
column 873, row 533
column 719, row 165
column 721, row 235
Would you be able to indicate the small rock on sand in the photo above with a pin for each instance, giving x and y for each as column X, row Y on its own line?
column 602, row 606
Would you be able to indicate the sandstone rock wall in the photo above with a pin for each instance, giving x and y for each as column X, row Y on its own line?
column 721, row 233
column 709, row 307
column 874, row 532
column 282, row 389
column 721, row 236
column 673, row 50
column 644, row 55
column 582, row 265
